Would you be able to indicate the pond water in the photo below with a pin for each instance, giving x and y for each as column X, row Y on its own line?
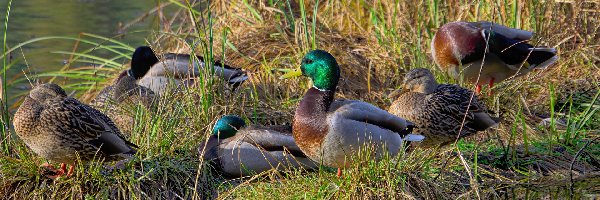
column 31, row 19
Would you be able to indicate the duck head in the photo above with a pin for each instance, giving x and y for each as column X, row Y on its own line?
column 228, row 126
column 142, row 59
column 420, row 80
column 322, row 68
column 47, row 91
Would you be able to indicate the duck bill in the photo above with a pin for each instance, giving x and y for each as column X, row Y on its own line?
column 291, row 74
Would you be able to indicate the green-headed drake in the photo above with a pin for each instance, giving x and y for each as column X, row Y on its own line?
column 119, row 102
column 240, row 150
column 62, row 129
column 438, row 110
column 329, row 131
column 175, row 69
column 460, row 48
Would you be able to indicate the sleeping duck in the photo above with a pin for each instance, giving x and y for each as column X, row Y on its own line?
column 330, row 132
column 462, row 48
column 119, row 102
column 438, row 110
column 175, row 69
column 240, row 150
column 62, row 129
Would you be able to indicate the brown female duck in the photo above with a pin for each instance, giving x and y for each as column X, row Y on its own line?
column 438, row 110
column 62, row 129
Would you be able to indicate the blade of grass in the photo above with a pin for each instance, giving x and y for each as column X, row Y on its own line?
column 314, row 25
column 92, row 57
column 304, row 22
column 253, row 11
column 5, row 136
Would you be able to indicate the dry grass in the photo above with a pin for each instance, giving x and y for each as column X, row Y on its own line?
column 375, row 42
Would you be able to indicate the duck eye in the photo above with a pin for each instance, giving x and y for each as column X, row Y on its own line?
column 308, row 61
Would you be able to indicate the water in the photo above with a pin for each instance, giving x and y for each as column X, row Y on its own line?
column 31, row 19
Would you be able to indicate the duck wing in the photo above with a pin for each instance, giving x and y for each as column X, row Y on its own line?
column 511, row 33
column 88, row 125
column 455, row 104
column 180, row 63
column 508, row 44
column 272, row 140
column 511, row 46
column 513, row 52
column 368, row 113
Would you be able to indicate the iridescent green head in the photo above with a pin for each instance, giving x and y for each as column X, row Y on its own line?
column 322, row 68
column 228, row 126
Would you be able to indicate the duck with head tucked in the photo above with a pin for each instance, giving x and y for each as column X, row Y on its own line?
column 62, row 129
column 439, row 110
column 240, row 150
column 120, row 100
column 175, row 69
column 468, row 49
column 329, row 131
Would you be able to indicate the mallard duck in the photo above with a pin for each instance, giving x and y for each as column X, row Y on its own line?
column 438, row 110
column 61, row 129
column 118, row 101
column 329, row 131
column 175, row 68
column 238, row 150
column 459, row 48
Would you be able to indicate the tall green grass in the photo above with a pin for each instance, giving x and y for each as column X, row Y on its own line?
column 5, row 130
column 394, row 36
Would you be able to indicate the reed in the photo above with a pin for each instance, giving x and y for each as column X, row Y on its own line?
column 375, row 42
column 5, row 129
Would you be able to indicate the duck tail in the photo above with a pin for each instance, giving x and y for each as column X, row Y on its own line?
column 414, row 138
column 124, row 155
column 234, row 76
column 238, row 78
column 483, row 121
column 408, row 136
column 131, row 152
column 542, row 57
column 515, row 51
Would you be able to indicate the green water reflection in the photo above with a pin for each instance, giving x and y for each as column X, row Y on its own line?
column 31, row 19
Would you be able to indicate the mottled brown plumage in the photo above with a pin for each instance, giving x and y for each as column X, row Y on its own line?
column 60, row 128
column 119, row 102
column 438, row 110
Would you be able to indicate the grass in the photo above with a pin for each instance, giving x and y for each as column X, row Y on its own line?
column 4, row 132
column 375, row 43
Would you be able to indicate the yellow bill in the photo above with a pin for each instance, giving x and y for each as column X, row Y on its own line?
column 291, row 74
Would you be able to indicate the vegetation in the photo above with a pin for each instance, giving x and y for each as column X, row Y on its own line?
column 375, row 42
